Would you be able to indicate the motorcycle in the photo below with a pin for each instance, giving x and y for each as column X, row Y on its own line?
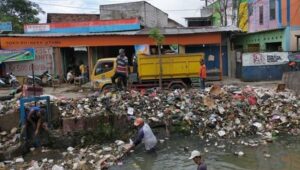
column 44, row 79
column 9, row 80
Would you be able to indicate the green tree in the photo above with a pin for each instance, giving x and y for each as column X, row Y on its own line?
column 159, row 38
column 220, row 9
column 19, row 12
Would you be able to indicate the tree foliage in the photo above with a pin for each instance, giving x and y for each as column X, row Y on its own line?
column 155, row 34
column 19, row 12
column 236, row 10
column 159, row 39
column 220, row 7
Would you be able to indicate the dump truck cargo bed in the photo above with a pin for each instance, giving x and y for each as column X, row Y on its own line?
column 173, row 66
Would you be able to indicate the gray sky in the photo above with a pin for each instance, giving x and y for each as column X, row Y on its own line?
column 177, row 9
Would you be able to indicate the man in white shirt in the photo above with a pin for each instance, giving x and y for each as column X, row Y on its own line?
column 70, row 77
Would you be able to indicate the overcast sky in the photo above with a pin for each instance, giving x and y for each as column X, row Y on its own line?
column 177, row 9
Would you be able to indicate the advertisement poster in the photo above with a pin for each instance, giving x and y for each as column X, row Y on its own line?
column 17, row 55
column 142, row 49
column 294, row 57
column 43, row 62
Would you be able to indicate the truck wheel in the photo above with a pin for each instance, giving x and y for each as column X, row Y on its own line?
column 106, row 88
column 176, row 86
column 4, row 98
column 29, row 81
column 15, row 84
column 50, row 83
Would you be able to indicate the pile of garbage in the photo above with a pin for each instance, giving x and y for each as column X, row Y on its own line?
column 9, row 139
column 221, row 112
column 82, row 107
column 6, row 106
column 92, row 157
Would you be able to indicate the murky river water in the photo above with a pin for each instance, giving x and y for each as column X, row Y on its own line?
column 173, row 155
column 285, row 155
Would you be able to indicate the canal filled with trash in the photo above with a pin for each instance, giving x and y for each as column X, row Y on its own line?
column 282, row 153
column 233, row 127
column 173, row 153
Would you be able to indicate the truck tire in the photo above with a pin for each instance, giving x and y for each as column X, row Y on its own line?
column 15, row 84
column 176, row 86
column 108, row 87
column 29, row 81
column 4, row 98
column 50, row 83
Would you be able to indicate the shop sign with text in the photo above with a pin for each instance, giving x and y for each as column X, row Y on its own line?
column 260, row 59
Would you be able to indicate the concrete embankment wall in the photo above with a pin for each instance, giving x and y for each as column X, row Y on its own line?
column 292, row 81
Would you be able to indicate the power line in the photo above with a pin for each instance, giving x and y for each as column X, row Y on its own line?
column 67, row 6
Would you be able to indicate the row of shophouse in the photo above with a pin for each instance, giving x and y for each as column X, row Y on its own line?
column 269, row 38
column 69, row 39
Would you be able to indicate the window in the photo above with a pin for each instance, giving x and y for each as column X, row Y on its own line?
column 253, row 48
column 261, row 15
column 250, row 9
column 274, row 46
column 103, row 67
column 272, row 10
column 298, row 42
column 234, row 4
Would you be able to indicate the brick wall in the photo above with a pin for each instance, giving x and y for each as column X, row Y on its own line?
column 148, row 15
column 52, row 18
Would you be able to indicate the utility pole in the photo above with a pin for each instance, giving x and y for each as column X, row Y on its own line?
column 206, row 2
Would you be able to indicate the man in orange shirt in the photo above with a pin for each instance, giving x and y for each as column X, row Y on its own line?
column 202, row 74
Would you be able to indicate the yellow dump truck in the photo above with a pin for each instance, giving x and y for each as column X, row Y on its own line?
column 179, row 71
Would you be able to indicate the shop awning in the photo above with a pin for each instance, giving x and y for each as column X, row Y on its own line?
column 17, row 55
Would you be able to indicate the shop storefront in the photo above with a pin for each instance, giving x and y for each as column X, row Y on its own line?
column 66, row 52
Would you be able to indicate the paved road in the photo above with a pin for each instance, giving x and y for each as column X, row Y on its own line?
column 71, row 91
column 65, row 90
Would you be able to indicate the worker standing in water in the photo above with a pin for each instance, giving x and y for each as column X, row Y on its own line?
column 197, row 158
column 145, row 134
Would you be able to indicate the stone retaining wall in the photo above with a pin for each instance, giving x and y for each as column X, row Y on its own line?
column 292, row 81
column 70, row 125
column 9, row 120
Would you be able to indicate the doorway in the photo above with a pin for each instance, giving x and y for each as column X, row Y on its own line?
column 72, row 58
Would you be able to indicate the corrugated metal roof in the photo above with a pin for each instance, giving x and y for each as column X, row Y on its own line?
column 165, row 31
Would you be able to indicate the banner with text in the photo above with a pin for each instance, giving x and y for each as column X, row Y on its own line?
column 260, row 59
column 43, row 61
column 36, row 28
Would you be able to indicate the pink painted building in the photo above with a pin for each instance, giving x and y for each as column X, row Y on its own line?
column 272, row 25
column 263, row 15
